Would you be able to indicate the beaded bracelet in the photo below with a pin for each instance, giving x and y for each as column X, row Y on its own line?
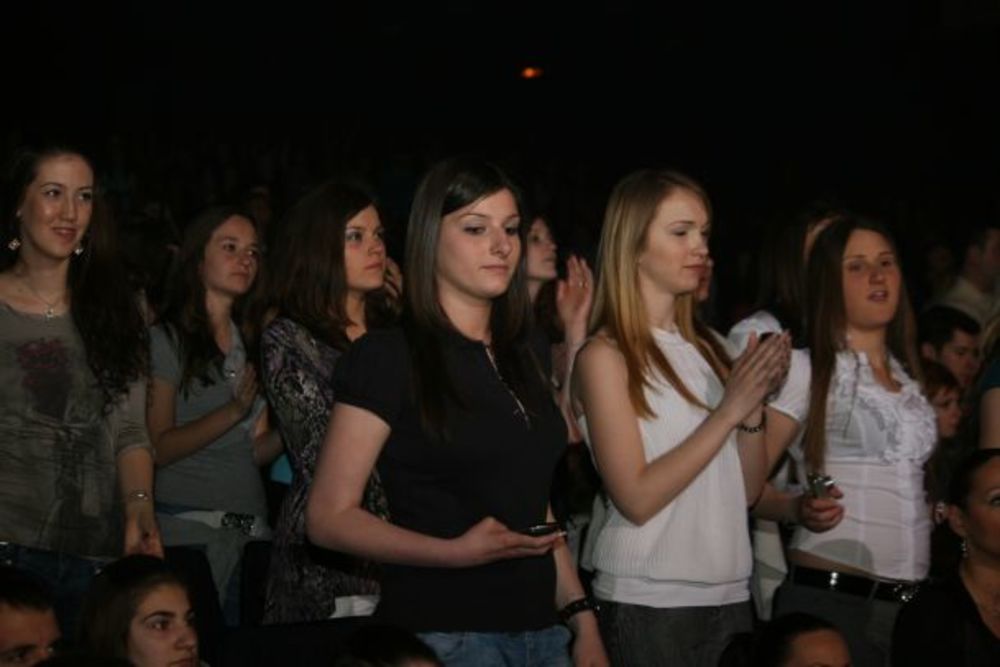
column 754, row 429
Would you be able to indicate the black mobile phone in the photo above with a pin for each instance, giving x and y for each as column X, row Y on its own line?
column 540, row 529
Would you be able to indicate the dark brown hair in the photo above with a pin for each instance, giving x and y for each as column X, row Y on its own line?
column 447, row 187
column 185, row 316
column 104, row 310
column 114, row 597
column 307, row 282
column 827, row 324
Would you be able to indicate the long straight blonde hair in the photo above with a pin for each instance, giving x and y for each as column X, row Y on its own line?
column 618, row 306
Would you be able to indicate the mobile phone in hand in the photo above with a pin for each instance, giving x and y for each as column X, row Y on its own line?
column 540, row 529
column 819, row 484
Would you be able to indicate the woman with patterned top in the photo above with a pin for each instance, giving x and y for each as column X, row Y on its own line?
column 326, row 290
column 868, row 426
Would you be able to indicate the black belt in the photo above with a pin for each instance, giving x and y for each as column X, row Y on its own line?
column 853, row 584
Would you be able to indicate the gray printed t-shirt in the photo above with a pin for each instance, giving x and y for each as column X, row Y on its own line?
column 58, row 467
column 223, row 475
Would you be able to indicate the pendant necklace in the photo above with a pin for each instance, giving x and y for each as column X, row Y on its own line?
column 50, row 307
column 520, row 411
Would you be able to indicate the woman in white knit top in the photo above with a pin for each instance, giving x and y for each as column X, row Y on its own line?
column 676, row 432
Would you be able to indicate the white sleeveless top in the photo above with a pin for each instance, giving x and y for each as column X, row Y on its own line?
column 696, row 550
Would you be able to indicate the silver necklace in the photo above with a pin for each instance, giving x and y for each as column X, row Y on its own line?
column 496, row 369
column 50, row 307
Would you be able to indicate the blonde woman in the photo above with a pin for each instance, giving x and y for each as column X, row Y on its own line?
column 676, row 430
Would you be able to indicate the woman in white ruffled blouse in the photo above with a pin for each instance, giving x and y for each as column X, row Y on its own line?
column 868, row 426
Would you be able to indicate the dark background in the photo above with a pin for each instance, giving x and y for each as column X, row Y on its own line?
column 889, row 107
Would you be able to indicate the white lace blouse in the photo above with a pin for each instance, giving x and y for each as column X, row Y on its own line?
column 876, row 444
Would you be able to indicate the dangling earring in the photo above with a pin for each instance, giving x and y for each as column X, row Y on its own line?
column 965, row 548
column 14, row 244
column 78, row 250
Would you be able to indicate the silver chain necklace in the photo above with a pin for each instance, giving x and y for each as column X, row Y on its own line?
column 519, row 410
column 50, row 307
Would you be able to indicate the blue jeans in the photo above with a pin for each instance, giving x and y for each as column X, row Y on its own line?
column 67, row 576
column 537, row 648
column 639, row 636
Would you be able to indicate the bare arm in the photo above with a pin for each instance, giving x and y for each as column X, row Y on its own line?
column 588, row 649
column 640, row 489
column 753, row 455
column 336, row 520
column 779, row 434
column 574, row 298
column 172, row 442
column 267, row 444
column 989, row 419
column 135, row 479
column 816, row 514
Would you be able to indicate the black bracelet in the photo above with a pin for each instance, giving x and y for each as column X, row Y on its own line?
column 754, row 429
column 576, row 606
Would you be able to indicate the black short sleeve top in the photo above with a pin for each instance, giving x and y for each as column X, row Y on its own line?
column 495, row 463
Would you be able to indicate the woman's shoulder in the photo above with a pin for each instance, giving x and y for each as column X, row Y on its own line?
column 386, row 339
column 163, row 334
column 600, row 348
column 283, row 330
column 384, row 349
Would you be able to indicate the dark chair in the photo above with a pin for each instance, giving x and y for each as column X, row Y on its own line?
column 300, row 644
column 253, row 581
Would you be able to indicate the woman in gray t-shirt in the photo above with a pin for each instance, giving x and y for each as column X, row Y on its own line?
column 205, row 418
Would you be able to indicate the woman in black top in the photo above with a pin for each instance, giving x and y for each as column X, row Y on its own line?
column 454, row 411
column 956, row 621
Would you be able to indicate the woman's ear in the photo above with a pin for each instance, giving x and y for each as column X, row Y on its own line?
column 956, row 520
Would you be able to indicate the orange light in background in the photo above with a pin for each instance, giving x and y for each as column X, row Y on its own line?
column 531, row 73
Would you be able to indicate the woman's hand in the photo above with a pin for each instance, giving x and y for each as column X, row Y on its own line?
column 142, row 534
column 489, row 540
column 819, row 515
column 588, row 649
column 574, row 297
column 759, row 371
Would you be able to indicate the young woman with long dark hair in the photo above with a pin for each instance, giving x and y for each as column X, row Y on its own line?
column 73, row 359
column 205, row 417
column 456, row 416
column 325, row 290
column 868, row 426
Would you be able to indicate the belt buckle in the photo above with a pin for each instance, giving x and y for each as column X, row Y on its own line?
column 244, row 523
column 904, row 592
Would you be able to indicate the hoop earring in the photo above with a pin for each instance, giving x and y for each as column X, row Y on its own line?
column 14, row 244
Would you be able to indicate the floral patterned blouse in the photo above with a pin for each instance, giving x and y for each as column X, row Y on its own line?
column 305, row 580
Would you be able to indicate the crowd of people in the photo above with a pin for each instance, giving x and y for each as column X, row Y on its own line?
column 497, row 454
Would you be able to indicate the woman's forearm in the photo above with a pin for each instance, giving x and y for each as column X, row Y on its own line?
column 356, row 531
column 180, row 442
